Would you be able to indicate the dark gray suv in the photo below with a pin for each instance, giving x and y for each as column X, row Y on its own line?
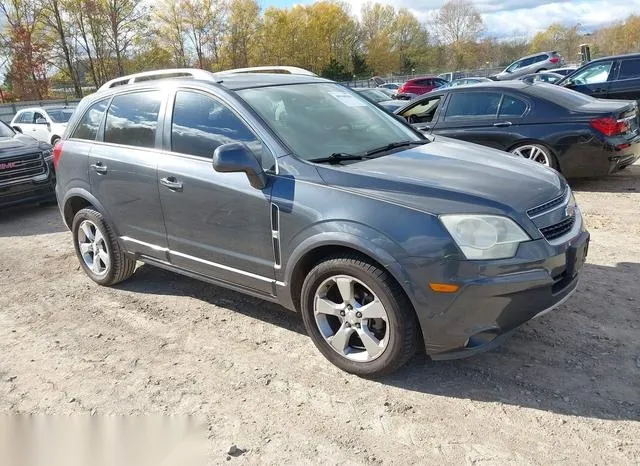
column 299, row 191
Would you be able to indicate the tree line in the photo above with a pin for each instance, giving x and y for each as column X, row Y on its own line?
column 80, row 44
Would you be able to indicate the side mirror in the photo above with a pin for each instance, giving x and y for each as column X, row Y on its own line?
column 41, row 121
column 17, row 129
column 236, row 157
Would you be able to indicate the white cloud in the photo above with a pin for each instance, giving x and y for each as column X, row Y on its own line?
column 507, row 18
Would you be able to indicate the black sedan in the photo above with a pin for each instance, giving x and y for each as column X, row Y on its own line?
column 576, row 134
column 26, row 169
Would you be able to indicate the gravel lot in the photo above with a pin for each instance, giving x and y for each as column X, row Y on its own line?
column 564, row 389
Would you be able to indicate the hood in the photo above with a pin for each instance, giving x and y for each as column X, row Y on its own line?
column 447, row 176
column 20, row 144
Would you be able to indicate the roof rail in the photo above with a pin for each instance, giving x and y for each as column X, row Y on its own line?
column 159, row 74
column 268, row 69
column 198, row 74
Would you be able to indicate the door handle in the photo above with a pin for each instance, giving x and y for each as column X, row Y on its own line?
column 502, row 124
column 172, row 183
column 99, row 167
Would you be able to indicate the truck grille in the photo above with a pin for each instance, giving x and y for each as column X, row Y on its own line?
column 21, row 167
column 559, row 229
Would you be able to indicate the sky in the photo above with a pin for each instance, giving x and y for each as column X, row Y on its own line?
column 515, row 18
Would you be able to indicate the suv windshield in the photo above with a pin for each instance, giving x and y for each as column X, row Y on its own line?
column 319, row 119
column 61, row 115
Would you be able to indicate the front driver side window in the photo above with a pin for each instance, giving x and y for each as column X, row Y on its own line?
column 423, row 112
column 201, row 123
column 594, row 74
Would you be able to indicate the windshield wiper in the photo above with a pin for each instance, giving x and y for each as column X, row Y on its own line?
column 338, row 157
column 395, row 145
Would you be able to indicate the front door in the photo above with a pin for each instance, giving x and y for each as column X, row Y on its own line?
column 41, row 128
column 217, row 224
column 627, row 84
column 473, row 116
column 123, row 171
column 593, row 79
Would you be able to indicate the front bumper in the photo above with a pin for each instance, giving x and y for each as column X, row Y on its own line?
column 496, row 298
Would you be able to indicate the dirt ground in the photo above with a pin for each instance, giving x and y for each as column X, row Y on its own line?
column 564, row 389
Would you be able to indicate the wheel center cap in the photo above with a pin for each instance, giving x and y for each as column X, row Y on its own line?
column 350, row 316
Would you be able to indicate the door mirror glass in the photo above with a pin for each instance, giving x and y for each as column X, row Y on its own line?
column 237, row 157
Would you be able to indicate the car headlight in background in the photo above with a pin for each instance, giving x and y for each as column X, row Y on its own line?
column 484, row 236
column 47, row 154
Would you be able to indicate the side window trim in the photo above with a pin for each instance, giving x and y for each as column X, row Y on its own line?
column 168, row 123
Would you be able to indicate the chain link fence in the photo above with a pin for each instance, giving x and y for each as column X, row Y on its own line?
column 375, row 80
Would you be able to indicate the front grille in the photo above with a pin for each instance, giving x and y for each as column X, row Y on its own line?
column 559, row 229
column 21, row 167
column 552, row 204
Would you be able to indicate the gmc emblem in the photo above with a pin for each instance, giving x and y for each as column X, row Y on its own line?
column 8, row 165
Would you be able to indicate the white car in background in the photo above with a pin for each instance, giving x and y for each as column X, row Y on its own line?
column 43, row 124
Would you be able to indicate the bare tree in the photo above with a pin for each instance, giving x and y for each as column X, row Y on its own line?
column 56, row 18
column 203, row 20
column 459, row 21
column 126, row 19
column 171, row 24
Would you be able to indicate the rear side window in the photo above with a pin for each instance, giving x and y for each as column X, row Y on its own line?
column 512, row 107
column 90, row 122
column 132, row 119
column 630, row 68
column 473, row 105
column 201, row 124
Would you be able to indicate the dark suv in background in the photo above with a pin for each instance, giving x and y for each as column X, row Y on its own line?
column 294, row 189
column 608, row 78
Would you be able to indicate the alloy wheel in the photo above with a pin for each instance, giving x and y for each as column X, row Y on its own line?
column 351, row 318
column 93, row 248
column 533, row 152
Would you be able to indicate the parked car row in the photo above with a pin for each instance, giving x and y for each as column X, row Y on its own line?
column 26, row 169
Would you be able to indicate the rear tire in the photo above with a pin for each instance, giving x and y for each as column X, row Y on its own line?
column 371, row 343
column 97, row 249
column 537, row 153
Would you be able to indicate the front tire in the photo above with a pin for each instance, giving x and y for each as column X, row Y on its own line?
column 100, row 255
column 358, row 316
column 54, row 140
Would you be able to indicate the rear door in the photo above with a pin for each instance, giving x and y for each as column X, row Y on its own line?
column 627, row 84
column 123, row 171
column 593, row 79
column 217, row 224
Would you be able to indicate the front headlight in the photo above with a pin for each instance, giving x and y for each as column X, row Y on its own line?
column 484, row 236
column 47, row 154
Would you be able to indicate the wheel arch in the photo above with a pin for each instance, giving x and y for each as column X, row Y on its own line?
column 77, row 199
column 316, row 249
